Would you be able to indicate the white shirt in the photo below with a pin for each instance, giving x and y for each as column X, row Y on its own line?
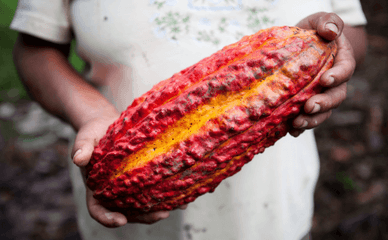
column 132, row 45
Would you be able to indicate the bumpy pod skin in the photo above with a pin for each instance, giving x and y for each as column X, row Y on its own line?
column 191, row 131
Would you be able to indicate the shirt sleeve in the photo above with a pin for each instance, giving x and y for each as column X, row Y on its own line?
column 46, row 19
column 350, row 11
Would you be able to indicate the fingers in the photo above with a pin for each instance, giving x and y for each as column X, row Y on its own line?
column 310, row 121
column 115, row 219
column 344, row 65
column 148, row 218
column 83, row 149
column 151, row 218
column 329, row 99
column 319, row 106
column 88, row 137
column 102, row 215
column 296, row 132
column 328, row 25
column 183, row 207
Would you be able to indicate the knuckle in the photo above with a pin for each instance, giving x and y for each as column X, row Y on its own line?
column 335, row 97
column 318, row 119
column 312, row 123
column 341, row 96
column 326, row 104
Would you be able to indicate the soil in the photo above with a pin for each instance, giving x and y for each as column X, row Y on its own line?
column 351, row 198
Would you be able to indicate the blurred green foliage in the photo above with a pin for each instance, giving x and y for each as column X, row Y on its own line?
column 76, row 61
column 7, row 9
column 347, row 182
column 11, row 88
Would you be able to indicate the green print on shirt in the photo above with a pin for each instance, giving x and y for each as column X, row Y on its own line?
column 225, row 1
column 159, row 4
column 208, row 36
column 174, row 25
column 222, row 25
column 257, row 18
column 215, row 5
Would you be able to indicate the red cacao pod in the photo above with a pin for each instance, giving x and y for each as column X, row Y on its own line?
column 191, row 131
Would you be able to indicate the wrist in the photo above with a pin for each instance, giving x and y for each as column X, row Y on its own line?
column 107, row 112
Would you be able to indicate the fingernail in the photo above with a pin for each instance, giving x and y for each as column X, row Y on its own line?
column 108, row 215
column 330, row 80
column 316, row 108
column 300, row 123
column 120, row 222
column 303, row 125
column 77, row 153
column 164, row 214
column 332, row 27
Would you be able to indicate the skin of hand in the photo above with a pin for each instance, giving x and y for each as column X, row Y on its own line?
column 331, row 27
column 46, row 73
column 87, row 138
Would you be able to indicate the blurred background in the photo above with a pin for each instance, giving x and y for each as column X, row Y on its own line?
column 351, row 199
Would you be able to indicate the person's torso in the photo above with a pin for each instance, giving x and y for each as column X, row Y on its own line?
column 132, row 45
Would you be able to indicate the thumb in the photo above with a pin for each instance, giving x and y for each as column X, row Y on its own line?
column 328, row 25
column 83, row 148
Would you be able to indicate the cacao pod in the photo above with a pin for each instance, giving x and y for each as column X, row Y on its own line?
column 189, row 132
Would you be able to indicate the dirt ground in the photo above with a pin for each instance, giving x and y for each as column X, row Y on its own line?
column 351, row 199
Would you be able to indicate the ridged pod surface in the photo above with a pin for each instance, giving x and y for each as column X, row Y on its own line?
column 191, row 131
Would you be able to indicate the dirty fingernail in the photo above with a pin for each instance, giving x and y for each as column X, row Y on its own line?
column 332, row 27
column 304, row 124
column 316, row 108
column 300, row 124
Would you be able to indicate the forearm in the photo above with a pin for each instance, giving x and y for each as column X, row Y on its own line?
column 52, row 82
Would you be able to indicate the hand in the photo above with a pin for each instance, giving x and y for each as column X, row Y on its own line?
column 87, row 138
column 319, row 107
